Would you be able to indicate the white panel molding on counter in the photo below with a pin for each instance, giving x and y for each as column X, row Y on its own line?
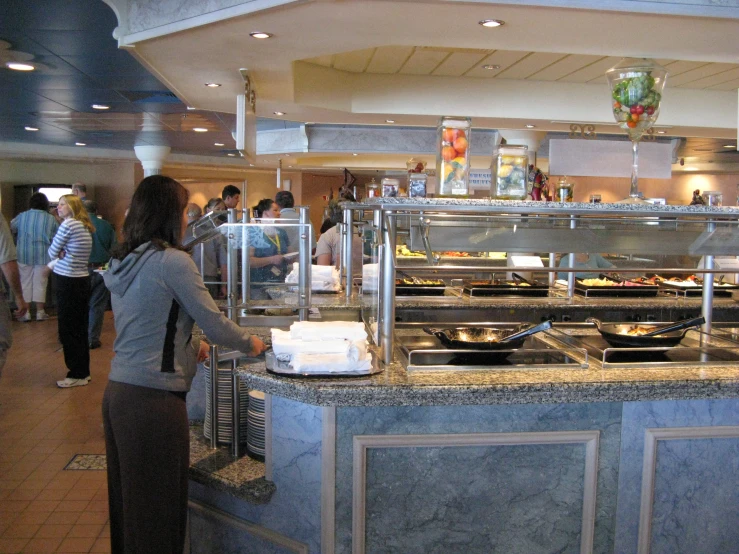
column 608, row 158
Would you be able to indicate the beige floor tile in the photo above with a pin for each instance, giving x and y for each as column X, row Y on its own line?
column 39, row 546
column 106, row 531
column 23, row 494
column 72, row 505
column 52, row 494
column 76, row 493
column 42, row 505
column 21, row 531
column 32, row 517
column 93, row 518
column 63, row 518
column 47, row 531
column 101, row 545
column 12, row 546
column 97, row 506
column 77, row 544
column 86, row 530
column 15, row 506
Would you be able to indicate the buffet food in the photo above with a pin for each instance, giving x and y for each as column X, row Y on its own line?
column 636, row 331
column 453, row 157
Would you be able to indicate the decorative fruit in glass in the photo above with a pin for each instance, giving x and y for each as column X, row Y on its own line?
column 636, row 93
column 453, row 156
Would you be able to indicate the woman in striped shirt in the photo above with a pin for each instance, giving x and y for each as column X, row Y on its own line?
column 70, row 252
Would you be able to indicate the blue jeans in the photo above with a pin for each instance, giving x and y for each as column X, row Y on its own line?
column 99, row 297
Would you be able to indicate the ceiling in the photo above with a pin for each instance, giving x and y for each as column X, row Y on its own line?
column 512, row 64
column 80, row 64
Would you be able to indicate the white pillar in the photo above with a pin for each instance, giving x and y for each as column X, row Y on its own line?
column 152, row 158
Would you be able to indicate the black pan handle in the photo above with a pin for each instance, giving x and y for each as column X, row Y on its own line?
column 520, row 278
column 595, row 321
column 676, row 326
column 543, row 326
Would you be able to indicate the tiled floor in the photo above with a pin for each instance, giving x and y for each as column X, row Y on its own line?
column 44, row 508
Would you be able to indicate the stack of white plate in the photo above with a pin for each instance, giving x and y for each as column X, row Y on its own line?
column 255, row 426
column 225, row 416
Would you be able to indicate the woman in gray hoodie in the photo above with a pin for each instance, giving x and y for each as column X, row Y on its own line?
column 157, row 295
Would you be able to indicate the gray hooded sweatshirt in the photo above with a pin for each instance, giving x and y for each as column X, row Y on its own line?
column 157, row 295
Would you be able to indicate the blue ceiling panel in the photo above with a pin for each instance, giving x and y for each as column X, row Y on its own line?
column 115, row 107
column 94, row 64
column 88, row 96
column 70, row 43
column 40, row 81
column 145, row 81
column 58, row 15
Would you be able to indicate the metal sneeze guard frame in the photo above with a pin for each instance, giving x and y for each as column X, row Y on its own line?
column 719, row 236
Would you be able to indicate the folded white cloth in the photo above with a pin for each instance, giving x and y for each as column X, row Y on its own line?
column 330, row 363
column 285, row 347
column 323, row 277
column 370, row 276
column 324, row 330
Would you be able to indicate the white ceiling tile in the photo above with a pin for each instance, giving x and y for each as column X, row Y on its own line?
column 503, row 58
column 717, row 79
column 595, row 71
column 355, row 61
column 685, row 79
column 565, row 66
column 459, row 63
column 529, row 65
column 676, row 68
column 389, row 59
column 423, row 62
column 321, row 60
column 729, row 85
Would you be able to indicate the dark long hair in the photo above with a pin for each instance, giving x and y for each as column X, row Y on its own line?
column 264, row 205
column 39, row 201
column 155, row 215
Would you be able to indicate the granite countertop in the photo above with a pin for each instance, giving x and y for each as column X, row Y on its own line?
column 397, row 387
column 242, row 478
column 326, row 302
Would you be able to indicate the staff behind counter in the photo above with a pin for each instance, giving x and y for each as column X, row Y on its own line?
column 585, row 261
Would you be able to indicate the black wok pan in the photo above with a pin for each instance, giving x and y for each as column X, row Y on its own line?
column 667, row 335
column 486, row 338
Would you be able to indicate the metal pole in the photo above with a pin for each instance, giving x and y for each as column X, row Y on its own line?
column 213, row 396
column 304, row 277
column 377, row 250
column 342, row 261
column 235, row 410
column 244, row 209
column 571, row 264
column 348, row 250
column 707, row 300
column 232, row 268
column 245, row 257
column 552, row 265
column 387, row 321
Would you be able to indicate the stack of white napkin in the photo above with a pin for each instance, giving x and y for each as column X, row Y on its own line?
column 323, row 277
column 323, row 347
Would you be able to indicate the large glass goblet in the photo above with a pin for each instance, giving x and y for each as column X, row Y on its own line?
column 636, row 92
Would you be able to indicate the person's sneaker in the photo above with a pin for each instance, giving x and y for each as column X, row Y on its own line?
column 95, row 344
column 25, row 317
column 41, row 316
column 69, row 382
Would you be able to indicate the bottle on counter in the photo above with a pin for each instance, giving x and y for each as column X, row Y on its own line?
column 510, row 171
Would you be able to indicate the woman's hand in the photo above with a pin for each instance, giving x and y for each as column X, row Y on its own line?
column 257, row 346
column 277, row 259
column 204, row 351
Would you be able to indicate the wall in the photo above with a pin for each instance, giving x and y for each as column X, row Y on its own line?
column 111, row 185
column 678, row 190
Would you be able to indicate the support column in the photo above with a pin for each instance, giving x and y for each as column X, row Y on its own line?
column 152, row 158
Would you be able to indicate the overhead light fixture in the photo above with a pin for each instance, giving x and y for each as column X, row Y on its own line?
column 690, row 168
column 661, row 132
column 200, row 129
column 279, row 113
column 729, row 145
column 100, row 107
column 355, row 154
column 191, row 108
column 490, row 66
column 260, row 35
column 80, row 144
column 289, row 166
column 29, row 128
column 251, row 165
column 17, row 66
column 529, row 126
column 491, row 22
column 218, row 144
column 213, row 85
column 389, row 121
column 231, row 155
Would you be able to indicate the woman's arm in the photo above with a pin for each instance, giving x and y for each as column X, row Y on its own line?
column 60, row 241
column 262, row 262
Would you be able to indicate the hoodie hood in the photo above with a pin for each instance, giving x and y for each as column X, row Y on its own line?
column 122, row 273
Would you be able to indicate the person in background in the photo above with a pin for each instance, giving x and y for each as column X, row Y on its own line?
column 585, row 261
column 103, row 241
column 231, row 196
column 213, row 252
column 70, row 252
column 157, row 296
column 266, row 261
column 35, row 229
column 9, row 267
column 80, row 191
column 288, row 214
column 329, row 245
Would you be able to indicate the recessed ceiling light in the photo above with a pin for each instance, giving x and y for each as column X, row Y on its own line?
column 16, row 66
column 213, row 85
column 491, row 22
column 490, row 66
column 200, row 129
column 232, row 155
column 28, row 128
column 355, row 154
column 260, row 34
column 661, row 132
column 100, row 107
column 218, row 144
column 191, row 108
column 279, row 113
column 531, row 126
column 80, row 144
column 251, row 165
column 690, row 168
column 389, row 121
column 729, row 145
column 289, row 166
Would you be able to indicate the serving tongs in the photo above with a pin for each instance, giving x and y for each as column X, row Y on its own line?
column 677, row 326
column 543, row 326
column 522, row 279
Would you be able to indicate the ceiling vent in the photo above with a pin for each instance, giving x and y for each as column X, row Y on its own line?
column 149, row 96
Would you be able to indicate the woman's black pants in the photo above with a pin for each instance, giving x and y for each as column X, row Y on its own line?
column 73, row 301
